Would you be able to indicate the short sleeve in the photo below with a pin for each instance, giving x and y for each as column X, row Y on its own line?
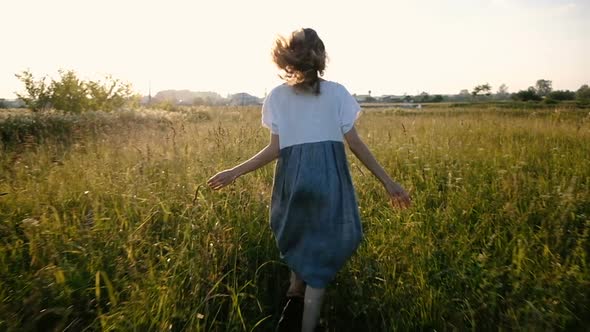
column 269, row 119
column 349, row 110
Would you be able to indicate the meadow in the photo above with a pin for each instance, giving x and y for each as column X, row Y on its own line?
column 106, row 223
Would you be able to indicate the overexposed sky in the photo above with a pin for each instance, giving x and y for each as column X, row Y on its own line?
column 388, row 47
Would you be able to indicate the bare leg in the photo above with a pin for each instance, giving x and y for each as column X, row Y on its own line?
column 293, row 311
column 297, row 286
column 312, row 307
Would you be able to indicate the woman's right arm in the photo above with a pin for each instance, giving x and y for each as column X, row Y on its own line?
column 399, row 197
column 263, row 157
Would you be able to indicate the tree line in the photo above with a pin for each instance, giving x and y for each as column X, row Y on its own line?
column 541, row 91
column 70, row 93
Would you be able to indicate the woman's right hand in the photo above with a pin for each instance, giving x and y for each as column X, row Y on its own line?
column 222, row 179
column 398, row 197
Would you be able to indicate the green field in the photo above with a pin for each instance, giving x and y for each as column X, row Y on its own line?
column 106, row 224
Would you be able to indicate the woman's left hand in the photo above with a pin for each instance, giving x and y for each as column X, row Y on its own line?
column 222, row 179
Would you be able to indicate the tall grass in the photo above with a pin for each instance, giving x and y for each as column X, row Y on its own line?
column 113, row 229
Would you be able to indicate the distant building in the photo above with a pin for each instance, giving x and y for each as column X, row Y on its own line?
column 11, row 103
column 361, row 98
column 184, row 97
column 390, row 99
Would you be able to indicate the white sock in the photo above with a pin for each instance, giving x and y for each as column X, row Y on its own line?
column 312, row 307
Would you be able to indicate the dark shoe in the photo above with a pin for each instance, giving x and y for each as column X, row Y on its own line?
column 292, row 316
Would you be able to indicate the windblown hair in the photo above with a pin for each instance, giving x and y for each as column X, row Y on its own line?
column 302, row 59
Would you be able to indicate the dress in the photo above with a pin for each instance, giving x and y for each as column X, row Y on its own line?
column 314, row 212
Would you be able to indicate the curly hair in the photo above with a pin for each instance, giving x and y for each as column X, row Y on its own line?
column 302, row 59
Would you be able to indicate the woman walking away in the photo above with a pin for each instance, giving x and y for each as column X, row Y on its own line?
column 314, row 213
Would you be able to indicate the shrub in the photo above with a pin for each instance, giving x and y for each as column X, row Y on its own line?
column 562, row 95
column 38, row 94
column 71, row 94
column 550, row 101
column 527, row 95
column 583, row 93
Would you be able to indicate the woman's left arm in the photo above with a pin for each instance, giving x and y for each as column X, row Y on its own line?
column 263, row 157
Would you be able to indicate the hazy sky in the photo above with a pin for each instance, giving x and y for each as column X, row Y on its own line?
column 389, row 47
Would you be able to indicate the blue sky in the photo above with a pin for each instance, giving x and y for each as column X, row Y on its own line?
column 388, row 47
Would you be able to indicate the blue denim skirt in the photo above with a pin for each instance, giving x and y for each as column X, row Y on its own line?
column 314, row 212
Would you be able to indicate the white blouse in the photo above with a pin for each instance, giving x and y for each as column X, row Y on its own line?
column 305, row 118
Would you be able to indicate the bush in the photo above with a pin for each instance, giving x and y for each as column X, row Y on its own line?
column 71, row 94
column 550, row 101
column 33, row 128
column 38, row 95
column 527, row 95
column 437, row 99
column 561, row 95
column 583, row 93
